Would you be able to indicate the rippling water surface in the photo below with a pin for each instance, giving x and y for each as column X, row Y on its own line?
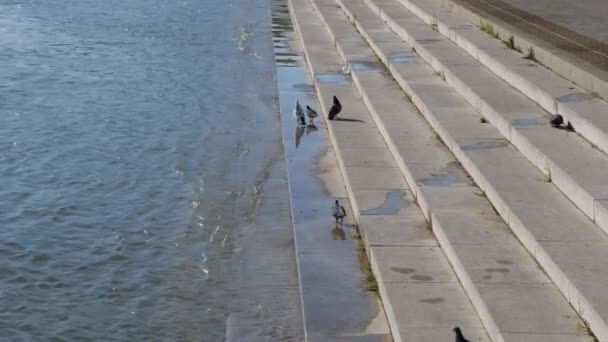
column 134, row 137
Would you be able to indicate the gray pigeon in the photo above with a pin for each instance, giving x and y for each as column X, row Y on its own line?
column 298, row 113
column 337, row 210
column 311, row 113
column 556, row 120
column 459, row 337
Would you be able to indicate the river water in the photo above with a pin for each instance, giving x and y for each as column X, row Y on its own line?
column 136, row 142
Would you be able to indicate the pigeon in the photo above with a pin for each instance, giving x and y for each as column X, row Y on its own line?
column 337, row 210
column 459, row 337
column 298, row 113
column 311, row 113
column 556, row 120
column 335, row 109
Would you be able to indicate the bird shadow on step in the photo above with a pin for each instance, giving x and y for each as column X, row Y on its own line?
column 348, row 120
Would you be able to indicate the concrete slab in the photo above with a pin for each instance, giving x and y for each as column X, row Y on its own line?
column 373, row 157
column 440, row 306
column 408, row 230
column 394, row 202
column 412, row 265
column 501, row 105
column 528, row 273
column 388, row 178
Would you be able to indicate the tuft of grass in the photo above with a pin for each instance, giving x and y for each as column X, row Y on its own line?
column 440, row 74
column 584, row 326
column 530, row 56
column 357, row 235
column 487, row 28
column 510, row 43
column 482, row 194
column 368, row 280
column 434, row 26
column 413, row 49
column 547, row 176
column 483, row 120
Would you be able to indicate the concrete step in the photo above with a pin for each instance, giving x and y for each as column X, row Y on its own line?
column 498, row 274
column 561, row 239
column 421, row 294
column 573, row 164
column 585, row 109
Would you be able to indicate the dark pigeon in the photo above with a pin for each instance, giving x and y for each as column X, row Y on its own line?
column 556, row 120
column 337, row 210
column 336, row 108
column 459, row 337
column 311, row 112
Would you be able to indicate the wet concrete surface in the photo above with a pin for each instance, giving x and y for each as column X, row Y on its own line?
column 368, row 66
column 486, row 144
column 334, row 305
column 529, row 122
column 335, row 79
column 402, row 57
column 395, row 201
column 577, row 97
column 451, row 174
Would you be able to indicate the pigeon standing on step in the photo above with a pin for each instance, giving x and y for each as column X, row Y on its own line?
column 459, row 337
column 311, row 113
column 338, row 212
column 556, row 120
column 335, row 109
column 298, row 113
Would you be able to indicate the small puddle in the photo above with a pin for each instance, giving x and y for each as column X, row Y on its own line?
column 367, row 66
column 335, row 79
column 529, row 122
column 447, row 176
column 577, row 97
column 486, row 144
column 394, row 201
column 402, row 57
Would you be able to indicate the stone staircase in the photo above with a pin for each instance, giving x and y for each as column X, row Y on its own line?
column 444, row 115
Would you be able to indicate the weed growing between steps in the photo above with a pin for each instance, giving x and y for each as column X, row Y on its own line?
column 440, row 74
column 368, row 280
column 489, row 29
column 547, row 176
column 434, row 26
column 510, row 43
column 584, row 325
column 483, row 120
column 530, row 56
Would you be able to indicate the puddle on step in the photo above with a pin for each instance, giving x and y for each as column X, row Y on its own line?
column 432, row 300
column 486, row 144
column 529, row 122
column 335, row 79
column 497, row 270
column 403, row 270
column 394, row 201
column 447, row 176
column 402, row 57
column 577, row 97
column 367, row 66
